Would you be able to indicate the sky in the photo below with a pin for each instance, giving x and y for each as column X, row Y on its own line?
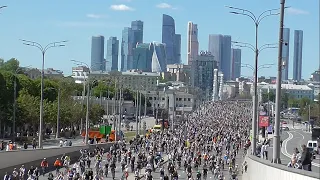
column 47, row 21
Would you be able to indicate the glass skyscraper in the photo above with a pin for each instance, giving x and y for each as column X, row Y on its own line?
column 112, row 53
column 297, row 55
column 285, row 53
column 177, row 48
column 137, row 28
column 236, row 63
column 220, row 47
column 97, row 54
column 159, row 58
column 171, row 40
column 142, row 57
column 126, row 49
column 130, row 38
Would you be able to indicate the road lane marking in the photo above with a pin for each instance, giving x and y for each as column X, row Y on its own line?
column 284, row 148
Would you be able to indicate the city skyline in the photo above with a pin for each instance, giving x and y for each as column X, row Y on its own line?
column 97, row 54
column 77, row 28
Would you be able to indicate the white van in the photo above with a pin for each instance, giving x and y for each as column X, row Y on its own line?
column 314, row 145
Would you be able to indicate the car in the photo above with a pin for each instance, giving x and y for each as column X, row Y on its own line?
column 285, row 128
column 284, row 122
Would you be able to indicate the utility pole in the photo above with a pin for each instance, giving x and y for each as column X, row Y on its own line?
column 140, row 113
column 137, row 106
column 120, row 111
column 145, row 104
column 14, row 104
column 58, row 115
column 276, row 137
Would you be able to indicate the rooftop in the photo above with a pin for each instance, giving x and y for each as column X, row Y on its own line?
column 128, row 73
column 287, row 86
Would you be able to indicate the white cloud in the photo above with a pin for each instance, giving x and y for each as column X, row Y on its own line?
column 165, row 6
column 121, row 7
column 297, row 11
column 96, row 16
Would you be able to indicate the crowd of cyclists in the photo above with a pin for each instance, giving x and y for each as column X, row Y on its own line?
column 211, row 141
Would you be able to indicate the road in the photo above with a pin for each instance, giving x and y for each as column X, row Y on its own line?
column 294, row 138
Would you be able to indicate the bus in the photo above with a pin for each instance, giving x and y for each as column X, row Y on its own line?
column 315, row 134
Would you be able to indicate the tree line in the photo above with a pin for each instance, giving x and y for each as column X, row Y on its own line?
column 28, row 99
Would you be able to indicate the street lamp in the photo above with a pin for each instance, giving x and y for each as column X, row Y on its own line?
column 43, row 50
column 58, row 111
column 88, row 96
column 256, row 20
column 15, row 98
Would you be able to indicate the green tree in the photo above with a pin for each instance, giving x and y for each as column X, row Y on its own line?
column 11, row 65
column 96, row 113
column 29, row 107
column 292, row 102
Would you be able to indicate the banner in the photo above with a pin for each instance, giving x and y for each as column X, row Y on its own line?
column 263, row 121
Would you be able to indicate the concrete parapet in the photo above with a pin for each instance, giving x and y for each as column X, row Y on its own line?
column 265, row 170
column 15, row 159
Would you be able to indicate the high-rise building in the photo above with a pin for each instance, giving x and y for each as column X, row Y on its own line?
column 130, row 38
column 137, row 28
column 97, row 54
column 202, row 73
column 236, row 63
column 177, row 48
column 297, row 54
column 126, row 49
column 193, row 44
column 142, row 57
column 112, row 53
column 285, row 53
column 220, row 48
column 159, row 58
column 171, row 40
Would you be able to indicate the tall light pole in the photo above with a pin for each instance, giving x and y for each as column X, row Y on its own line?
column 43, row 50
column 87, row 102
column 58, row 112
column 256, row 19
column 276, row 137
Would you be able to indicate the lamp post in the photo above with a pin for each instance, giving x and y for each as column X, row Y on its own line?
column 58, row 112
column 256, row 19
column 43, row 50
column 264, row 66
column 87, row 102
column 276, row 137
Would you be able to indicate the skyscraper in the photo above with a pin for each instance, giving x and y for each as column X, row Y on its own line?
column 159, row 58
column 137, row 28
column 236, row 63
column 297, row 54
column 177, row 48
column 126, row 49
column 171, row 40
column 112, row 53
column 220, row 47
column 97, row 54
column 193, row 44
column 130, row 38
column 285, row 53
column 142, row 57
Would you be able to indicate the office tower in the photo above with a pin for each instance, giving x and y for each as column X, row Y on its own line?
column 285, row 53
column 220, row 47
column 235, row 63
column 137, row 28
column 297, row 54
column 112, row 53
column 159, row 58
column 171, row 40
column 126, row 49
column 177, row 48
column 202, row 70
column 193, row 44
column 142, row 57
column 97, row 54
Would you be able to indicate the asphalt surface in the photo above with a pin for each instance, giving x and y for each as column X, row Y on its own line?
column 294, row 138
